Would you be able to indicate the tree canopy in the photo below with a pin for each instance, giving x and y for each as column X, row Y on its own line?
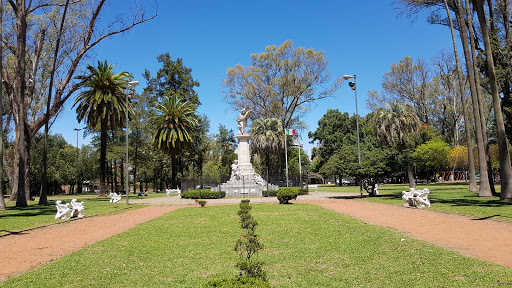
column 280, row 83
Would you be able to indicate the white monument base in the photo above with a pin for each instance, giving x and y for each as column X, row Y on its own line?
column 245, row 182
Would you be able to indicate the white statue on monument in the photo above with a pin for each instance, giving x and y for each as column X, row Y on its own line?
column 242, row 120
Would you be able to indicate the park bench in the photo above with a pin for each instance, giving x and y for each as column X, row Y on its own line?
column 77, row 209
column 114, row 197
column 171, row 191
column 62, row 210
column 313, row 187
column 416, row 198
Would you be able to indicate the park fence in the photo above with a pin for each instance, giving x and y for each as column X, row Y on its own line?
column 195, row 183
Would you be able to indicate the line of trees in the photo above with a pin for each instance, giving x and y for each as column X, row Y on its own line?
column 484, row 32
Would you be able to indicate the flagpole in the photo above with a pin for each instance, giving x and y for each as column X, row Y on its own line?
column 300, row 163
column 286, row 155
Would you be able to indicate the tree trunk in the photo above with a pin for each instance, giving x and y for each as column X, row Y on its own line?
column 473, row 188
column 174, row 170
column 410, row 176
column 505, row 165
column 113, row 175
column 103, row 159
column 161, row 175
column 2, row 189
column 485, row 190
column 21, row 36
column 135, row 170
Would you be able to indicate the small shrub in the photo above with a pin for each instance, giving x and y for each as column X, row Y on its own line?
column 238, row 281
column 248, row 245
column 202, row 203
column 286, row 194
column 202, row 194
column 273, row 193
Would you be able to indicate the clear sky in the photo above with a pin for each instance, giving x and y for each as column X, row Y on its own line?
column 358, row 37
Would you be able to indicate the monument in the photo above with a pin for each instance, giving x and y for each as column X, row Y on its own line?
column 244, row 180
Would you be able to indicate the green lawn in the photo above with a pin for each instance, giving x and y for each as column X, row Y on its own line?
column 451, row 198
column 15, row 219
column 305, row 246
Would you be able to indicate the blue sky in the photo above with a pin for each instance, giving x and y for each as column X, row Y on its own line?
column 358, row 37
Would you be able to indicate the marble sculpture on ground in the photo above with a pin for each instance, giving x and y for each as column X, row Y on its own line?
column 416, row 198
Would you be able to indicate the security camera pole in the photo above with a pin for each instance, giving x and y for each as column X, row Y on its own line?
column 353, row 86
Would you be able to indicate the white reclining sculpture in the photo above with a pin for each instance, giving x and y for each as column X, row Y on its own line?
column 313, row 187
column 77, row 209
column 62, row 210
column 169, row 191
column 416, row 198
column 114, row 197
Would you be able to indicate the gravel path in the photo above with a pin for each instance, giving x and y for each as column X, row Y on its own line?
column 174, row 200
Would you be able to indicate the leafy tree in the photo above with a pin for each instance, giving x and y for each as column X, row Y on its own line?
column 173, row 121
column 398, row 126
column 62, row 164
column 104, row 104
column 172, row 78
column 458, row 158
column 280, row 83
column 267, row 139
column 433, row 155
column 32, row 28
column 409, row 82
column 226, row 143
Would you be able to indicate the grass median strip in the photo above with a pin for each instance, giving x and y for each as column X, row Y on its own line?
column 14, row 219
column 305, row 246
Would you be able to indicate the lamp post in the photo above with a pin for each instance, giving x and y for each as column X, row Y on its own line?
column 77, row 157
column 133, row 84
column 353, row 86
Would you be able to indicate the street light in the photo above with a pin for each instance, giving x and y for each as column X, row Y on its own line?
column 133, row 84
column 353, row 86
column 77, row 157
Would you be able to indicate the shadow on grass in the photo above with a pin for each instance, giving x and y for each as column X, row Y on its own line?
column 32, row 210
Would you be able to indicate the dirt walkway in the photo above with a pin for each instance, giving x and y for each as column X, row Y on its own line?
column 37, row 247
column 485, row 239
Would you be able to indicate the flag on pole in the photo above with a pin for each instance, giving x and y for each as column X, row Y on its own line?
column 291, row 131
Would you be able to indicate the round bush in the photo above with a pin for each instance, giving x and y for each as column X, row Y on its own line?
column 286, row 194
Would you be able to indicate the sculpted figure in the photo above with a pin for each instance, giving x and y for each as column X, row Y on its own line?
column 78, row 208
column 235, row 174
column 242, row 120
column 62, row 210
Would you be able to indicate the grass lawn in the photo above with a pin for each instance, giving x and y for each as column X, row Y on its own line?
column 15, row 219
column 451, row 198
column 305, row 246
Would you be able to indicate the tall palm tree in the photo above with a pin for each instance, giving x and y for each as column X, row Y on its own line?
column 398, row 125
column 104, row 103
column 267, row 137
column 172, row 121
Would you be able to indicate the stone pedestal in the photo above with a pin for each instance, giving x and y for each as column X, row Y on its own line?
column 244, row 180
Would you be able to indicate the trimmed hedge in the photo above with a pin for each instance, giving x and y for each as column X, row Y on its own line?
column 202, row 194
column 273, row 193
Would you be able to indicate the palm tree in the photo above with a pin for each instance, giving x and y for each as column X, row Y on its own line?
column 172, row 121
column 398, row 125
column 104, row 103
column 267, row 137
